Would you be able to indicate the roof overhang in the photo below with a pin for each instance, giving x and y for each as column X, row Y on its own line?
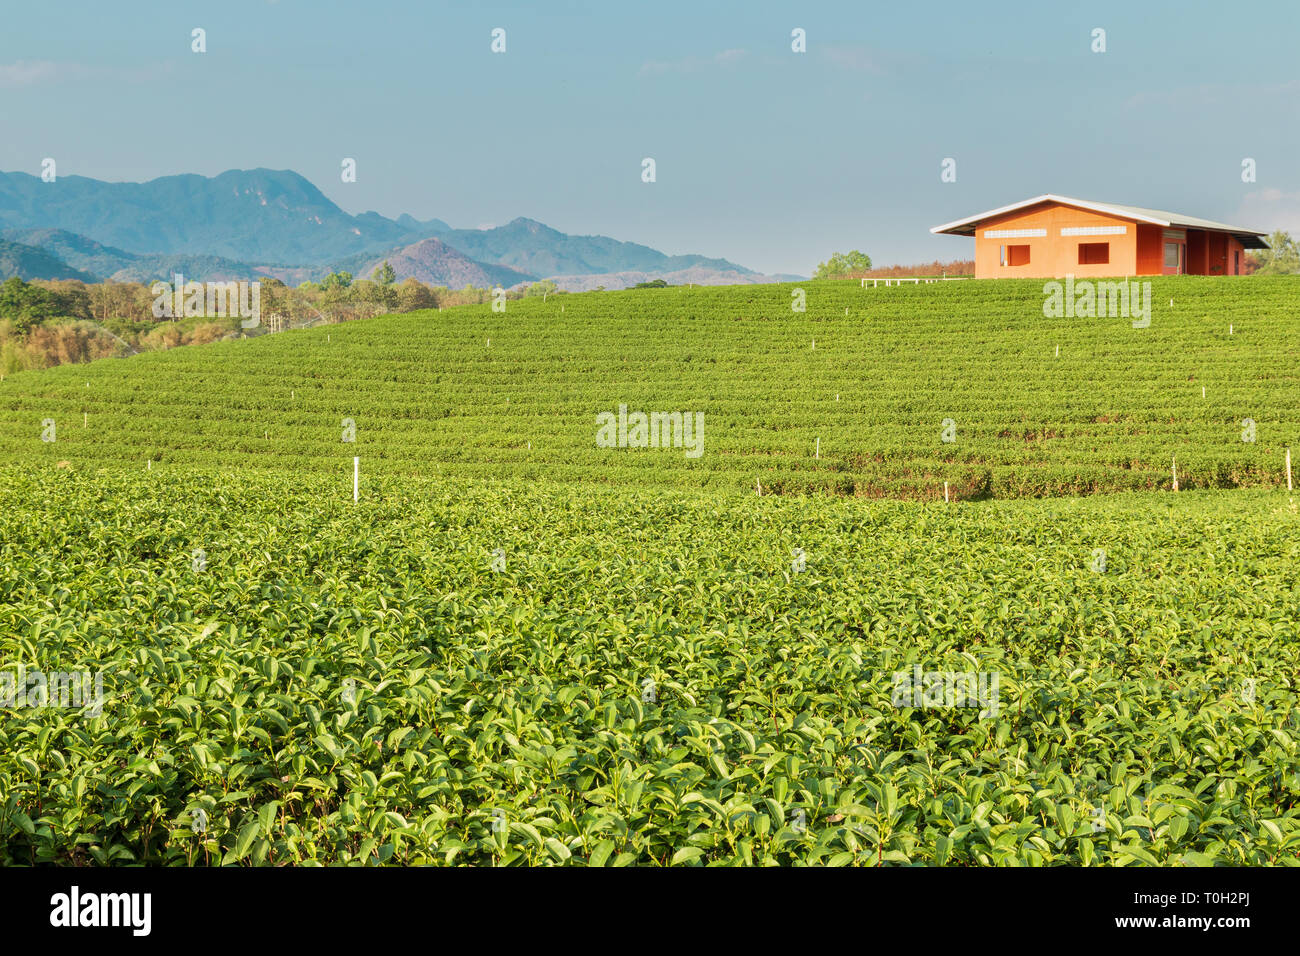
column 1249, row 238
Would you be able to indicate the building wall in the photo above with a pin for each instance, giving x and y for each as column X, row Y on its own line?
column 1053, row 255
column 1150, row 250
column 1208, row 253
column 1198, row 252
column 1222, row 247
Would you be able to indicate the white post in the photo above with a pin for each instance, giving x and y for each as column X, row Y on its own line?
column 819, row 446
column 814, row 348
column 945, row 492
column 1058, row 351
column 837, row 396
column 356, row 477
column 758, row 486
column 150, row 465
column 1175, row 472
column 85, row 420
column 1202, row 391
column 1229, row 328
column 1288, row 469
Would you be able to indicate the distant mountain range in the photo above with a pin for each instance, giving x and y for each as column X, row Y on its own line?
column 33, row 262
column 433, row 262
column 253, row 215
column 250, row 223
column 105, row 262
column 533, row 247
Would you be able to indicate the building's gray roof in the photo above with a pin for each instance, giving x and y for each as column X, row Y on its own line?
column 1159, row 217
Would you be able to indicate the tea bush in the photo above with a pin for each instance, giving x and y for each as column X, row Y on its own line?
column 647, row 676
column 474, row 393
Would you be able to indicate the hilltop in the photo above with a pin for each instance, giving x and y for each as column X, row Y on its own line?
column 828, row 401
column 435, row 263
column 32, row 262
column 93, row 261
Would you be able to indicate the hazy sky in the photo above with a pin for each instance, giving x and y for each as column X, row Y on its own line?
column 764, row 156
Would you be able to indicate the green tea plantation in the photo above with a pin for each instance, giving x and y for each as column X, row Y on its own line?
column 523, row 644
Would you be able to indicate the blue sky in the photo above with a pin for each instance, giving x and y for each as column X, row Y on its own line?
column 766, row 157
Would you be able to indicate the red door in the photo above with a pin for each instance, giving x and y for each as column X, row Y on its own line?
column 1175, row 257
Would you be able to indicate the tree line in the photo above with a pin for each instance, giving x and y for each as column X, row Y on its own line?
column 52, row 322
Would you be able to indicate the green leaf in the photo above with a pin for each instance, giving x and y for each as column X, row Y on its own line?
column 686, row 854
column 245, row 839
column 601, row 853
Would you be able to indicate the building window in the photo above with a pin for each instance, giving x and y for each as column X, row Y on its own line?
column 1094, row 253
column 1171, row 254
column 1002, row 255
column 1094, row 231
column 1018, row 255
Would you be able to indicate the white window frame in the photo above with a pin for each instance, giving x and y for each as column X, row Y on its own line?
column 1094, row 230
column 1015, row 233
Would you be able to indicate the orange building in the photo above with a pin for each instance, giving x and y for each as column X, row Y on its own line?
column 1055, row 236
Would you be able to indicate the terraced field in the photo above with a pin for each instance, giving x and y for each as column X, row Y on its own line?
column 645, row 677
column 574, row 654
column 820, row 401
